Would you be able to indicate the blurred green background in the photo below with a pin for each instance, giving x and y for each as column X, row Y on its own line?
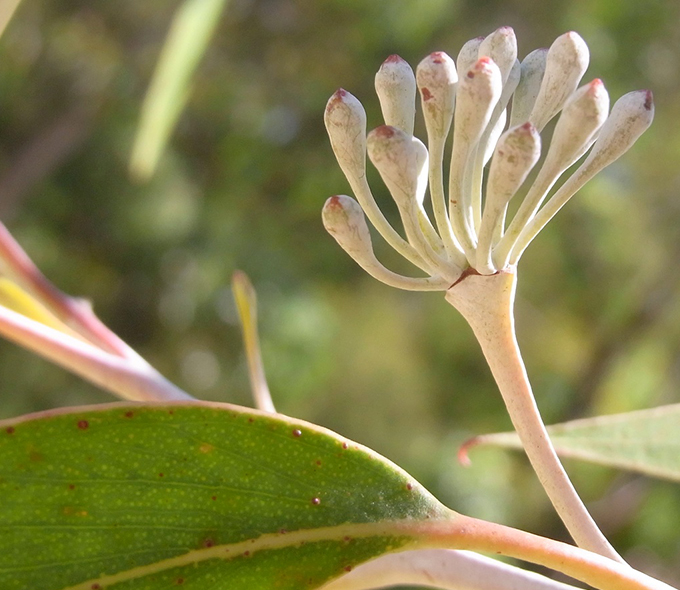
column 241, row 185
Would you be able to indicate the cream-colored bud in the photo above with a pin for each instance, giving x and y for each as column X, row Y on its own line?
column 345, row 121
column 395, row 85
column 437, row 77
column 468, row 55
column 531, row 76
column 631, row 115
column 478, row 91
column 577, row 127
column 344, row 219
column 517, row 152
column 566, row 63
column 501, row 47
column 401, row 160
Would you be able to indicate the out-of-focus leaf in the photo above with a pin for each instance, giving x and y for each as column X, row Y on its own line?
column 647, row 441
column 13, row 297
column 246, row 304
column 7, row 8
column 198, row 495
column 189, row 34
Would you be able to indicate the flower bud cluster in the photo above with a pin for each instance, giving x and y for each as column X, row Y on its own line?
column 495, row 108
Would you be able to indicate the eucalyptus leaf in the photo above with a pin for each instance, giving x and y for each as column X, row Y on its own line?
column 132, row 496
column 190, row 32
column 646, row 441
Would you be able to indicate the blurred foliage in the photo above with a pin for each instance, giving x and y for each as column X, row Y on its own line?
column 241, row 186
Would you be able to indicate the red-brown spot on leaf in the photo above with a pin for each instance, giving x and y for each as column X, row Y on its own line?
column 83, row 424
column 9, row 430
column 129, row 414
column 297, row 433
column 427, row 95
column 213, row 498
column 348, row 568
column 345, row 446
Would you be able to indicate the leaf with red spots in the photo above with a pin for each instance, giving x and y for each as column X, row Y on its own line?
column 126, row 497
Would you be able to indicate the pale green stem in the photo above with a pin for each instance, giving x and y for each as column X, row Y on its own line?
column 365, row 198
column 438, row 199
column 487, row 303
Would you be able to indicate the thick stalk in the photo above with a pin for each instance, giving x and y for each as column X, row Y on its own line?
column 487, row 304
column 464, row 532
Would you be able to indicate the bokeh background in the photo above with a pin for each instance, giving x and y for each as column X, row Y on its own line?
column 241, row 186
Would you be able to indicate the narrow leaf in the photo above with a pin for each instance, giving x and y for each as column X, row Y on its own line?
column 646, row 441
column 188, row 37
column 133, row 496
column 7, row 8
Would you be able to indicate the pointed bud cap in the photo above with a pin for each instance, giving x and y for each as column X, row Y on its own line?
column 344, row 219
column 501, row 47
column 345, row 121
column 566, row 63
column 478, row 91
column 531, row 76
column 468, row 55
column 516, row 154
column 401, row 160
column 631, row 115
column 578, row 125
column 437, row 77
column 395, row 84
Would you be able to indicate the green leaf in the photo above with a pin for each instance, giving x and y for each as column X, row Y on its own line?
column 647, row 441
column 200, row 495
column 190, row 32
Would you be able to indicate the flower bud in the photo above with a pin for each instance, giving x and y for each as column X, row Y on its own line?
column 395, row 85
column 437, row 77
column 401, row 160
column 631, row 115
column 501, row 47
column 344, row 219
column 578, row 125
column 516, row 154
column 566, row 63
column 345, row 121
column 478, row 92
column 468, row 55
column 533, row 68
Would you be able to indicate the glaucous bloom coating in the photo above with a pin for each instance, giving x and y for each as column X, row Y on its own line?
column 495, row 107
